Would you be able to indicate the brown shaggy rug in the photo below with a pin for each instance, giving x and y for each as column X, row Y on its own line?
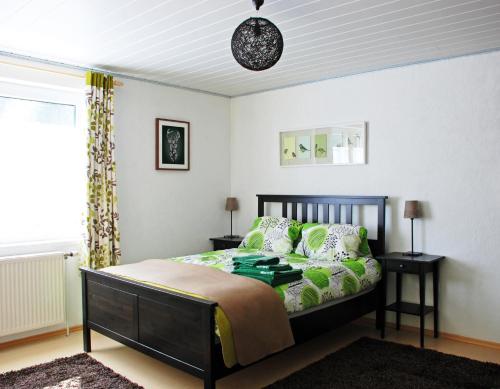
column 77, row 372
column 375, row 364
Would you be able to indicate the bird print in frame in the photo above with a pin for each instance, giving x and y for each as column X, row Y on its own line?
column 320, row 145
column 337, row 144
column 288, row 148
column 304, row 147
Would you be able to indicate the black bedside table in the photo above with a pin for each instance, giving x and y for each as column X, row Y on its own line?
column 421, row 265
column 223, row 243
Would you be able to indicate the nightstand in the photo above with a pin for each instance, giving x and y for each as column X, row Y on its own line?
column 223, row 243
column 402, row 264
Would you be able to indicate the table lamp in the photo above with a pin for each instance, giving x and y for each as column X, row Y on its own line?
column 412, row 211
column 231, row 205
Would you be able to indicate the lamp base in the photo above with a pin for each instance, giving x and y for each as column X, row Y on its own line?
column 412, row 254
column 232, row 236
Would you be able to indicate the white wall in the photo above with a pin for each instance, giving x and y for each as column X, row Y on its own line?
column 168, row 213
column 162, row 213
column 434, row 135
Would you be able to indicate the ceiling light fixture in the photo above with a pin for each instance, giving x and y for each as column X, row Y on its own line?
column 257, row 43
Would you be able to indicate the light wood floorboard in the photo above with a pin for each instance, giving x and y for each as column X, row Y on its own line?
column 153, row 374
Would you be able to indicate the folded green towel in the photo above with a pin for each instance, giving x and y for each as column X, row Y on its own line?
column 274, row 274
column 280, row 267
column 272, row 280
column 253, row 256
column 255, row 260
column 266, row 269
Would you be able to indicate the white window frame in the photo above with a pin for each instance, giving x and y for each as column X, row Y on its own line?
column 52, row 94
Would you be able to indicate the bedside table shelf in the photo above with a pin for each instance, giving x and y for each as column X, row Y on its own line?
column 409, row 308
column 401, row 264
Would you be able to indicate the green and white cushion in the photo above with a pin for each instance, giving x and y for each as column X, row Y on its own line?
column 333, row 241
column 271, row 233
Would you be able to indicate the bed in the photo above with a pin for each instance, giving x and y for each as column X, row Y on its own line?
column 180, row 330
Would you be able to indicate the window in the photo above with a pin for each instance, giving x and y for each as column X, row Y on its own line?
column 42, row 167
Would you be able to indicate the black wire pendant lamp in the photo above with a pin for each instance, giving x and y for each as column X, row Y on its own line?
column 257, row 43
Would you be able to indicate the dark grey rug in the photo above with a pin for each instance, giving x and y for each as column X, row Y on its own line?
column 78, row 371
column 375, row 364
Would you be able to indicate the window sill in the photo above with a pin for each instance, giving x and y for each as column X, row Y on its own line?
column 26, row 248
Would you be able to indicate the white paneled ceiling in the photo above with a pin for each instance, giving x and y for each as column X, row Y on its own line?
column 187, row 42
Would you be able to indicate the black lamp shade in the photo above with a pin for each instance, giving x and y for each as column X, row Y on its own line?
column 257, row 44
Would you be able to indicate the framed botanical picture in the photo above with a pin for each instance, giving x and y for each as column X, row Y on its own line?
column 172, row 144
column 337, row 144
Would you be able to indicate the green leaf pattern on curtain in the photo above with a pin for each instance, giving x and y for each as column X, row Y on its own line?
column 103, row 237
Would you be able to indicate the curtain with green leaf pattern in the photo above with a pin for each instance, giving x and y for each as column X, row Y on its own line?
column 103, row 237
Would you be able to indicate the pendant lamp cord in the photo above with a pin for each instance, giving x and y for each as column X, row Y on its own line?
column 258, row 4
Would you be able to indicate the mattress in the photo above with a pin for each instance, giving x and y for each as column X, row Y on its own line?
column 324, row 281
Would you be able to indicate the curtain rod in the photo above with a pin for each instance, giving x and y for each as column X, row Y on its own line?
column 69, row 74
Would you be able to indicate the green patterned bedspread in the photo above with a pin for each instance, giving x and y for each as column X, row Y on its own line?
column 323, row 280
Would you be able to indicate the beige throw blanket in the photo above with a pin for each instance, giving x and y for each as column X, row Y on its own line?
column 258, row 319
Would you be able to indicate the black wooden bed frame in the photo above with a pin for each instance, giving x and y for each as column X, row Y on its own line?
column 180, row 330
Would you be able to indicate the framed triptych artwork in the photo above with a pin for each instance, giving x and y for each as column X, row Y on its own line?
column 338, row 144
column 172, row 144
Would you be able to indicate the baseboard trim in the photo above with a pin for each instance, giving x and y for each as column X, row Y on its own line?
column 38, row 337
column 368, row 321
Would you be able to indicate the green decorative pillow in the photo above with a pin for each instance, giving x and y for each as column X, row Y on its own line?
column 333, row 241
column 271, row 233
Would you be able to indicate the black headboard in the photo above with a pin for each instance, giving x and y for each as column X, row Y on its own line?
column 323, row 203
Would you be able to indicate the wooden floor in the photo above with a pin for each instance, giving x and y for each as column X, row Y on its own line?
column 153, row 374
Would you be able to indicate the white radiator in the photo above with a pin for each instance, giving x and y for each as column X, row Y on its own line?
column 32, row 292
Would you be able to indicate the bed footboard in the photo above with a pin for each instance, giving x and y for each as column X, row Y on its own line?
column 172, row 327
